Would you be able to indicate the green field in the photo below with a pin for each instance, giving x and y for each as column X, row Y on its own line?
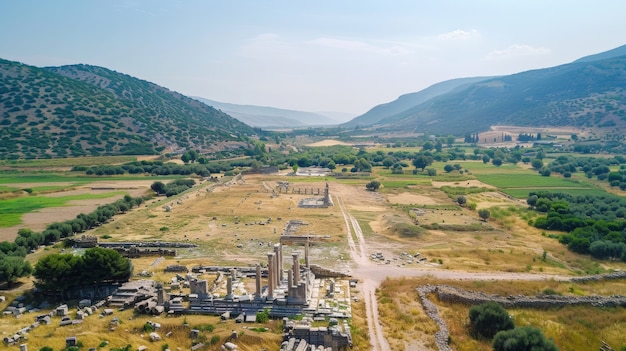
column 528, row 180
column 67, row 162
column 61, row 178
column 13, row 209
column 520, row 184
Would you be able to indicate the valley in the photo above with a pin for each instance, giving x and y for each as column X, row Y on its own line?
column 368, row 239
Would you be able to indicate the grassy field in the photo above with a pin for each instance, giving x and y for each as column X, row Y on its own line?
column 13, row 209
column 29, row 192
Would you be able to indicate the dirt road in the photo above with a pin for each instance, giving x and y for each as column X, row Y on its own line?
column 359, row 256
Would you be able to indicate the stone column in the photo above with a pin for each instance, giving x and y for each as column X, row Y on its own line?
column 306, row 253
column 270, row 274
column 229, row 287
column 258, row 280
column 289, row 283
column 160, row 296
column 278, row 251
column 296, row 268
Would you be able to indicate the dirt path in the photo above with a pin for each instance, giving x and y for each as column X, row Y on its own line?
column 359, row 256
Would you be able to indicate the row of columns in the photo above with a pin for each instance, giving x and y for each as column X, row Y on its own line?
column 275, row 272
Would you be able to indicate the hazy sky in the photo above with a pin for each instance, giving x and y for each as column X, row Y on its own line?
column 308, row 55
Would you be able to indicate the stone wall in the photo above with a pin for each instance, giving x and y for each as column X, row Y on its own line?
column 457, row 295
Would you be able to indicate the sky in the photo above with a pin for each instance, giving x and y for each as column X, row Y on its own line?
column 340, row 55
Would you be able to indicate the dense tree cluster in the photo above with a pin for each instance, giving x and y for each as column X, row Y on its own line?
column 59, row 272
column 202, row 168
column 597, row 167
column 528, row 137
column 172, row 188
column 13, row 267
column 595, row 225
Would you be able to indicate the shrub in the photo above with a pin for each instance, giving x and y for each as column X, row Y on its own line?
column 522, row 339
column 148, row 328
column 373, row 185
column 263, row 317
column 461, row 200
column 484, row 214
column 489, row 318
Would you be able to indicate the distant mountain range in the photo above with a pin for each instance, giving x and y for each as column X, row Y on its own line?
column 589, row 92
column 271, row 117
column 87, row 110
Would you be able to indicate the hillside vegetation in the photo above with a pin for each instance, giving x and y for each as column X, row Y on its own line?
column 86, row 110
column 587, row 93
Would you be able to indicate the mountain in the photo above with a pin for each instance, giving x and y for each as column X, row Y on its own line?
column 619, row 51
column 586, row 93
column 407, row 101
column 262, row 116
column 87, row 110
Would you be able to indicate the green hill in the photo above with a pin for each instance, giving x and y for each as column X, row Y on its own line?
column 586, row 93
column 407, row 101
column 86, row 110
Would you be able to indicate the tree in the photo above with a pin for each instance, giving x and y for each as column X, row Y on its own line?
column 489, row 318
column 158, row 187
column 450, row 140
column 448, row 168
column 373, row 185
column 522, row 339
column 422, row 161
column 185, row 158
column 388, row 162
column 536, row 164
column 59, row 272
column 100, row 264
column 484, row 214
column 13, row 267
column 532, row 200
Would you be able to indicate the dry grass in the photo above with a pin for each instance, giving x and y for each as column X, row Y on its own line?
column 226, row 218
column 572, row 328
column 95, row 330
column 404, row 320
